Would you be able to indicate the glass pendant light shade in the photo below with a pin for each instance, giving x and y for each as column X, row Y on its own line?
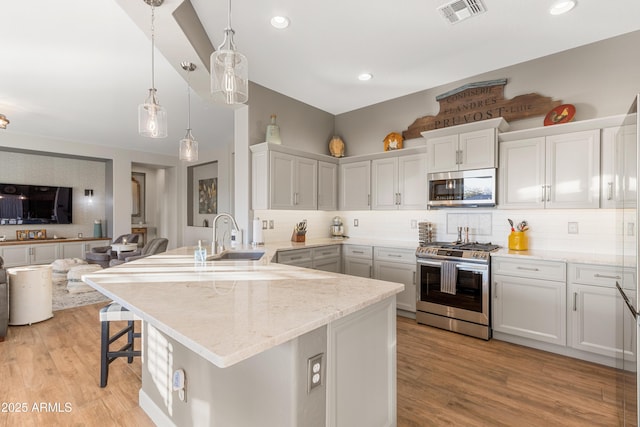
column 152, row 117
column 229, row 70
column 188, row 148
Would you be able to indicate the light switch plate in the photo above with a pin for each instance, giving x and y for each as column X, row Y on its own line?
column 572, row 228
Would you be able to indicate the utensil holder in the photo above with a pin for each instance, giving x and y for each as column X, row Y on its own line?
column 518, row 241
column 296, row 237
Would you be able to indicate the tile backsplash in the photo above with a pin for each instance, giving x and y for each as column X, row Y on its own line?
column 599, row 230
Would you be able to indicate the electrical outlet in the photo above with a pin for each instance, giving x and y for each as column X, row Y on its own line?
column 630, row 227
column 355, row 222
column 270, row 224
column 264, row 224
column 572, row 228
column 414, row 223
column 314, row 372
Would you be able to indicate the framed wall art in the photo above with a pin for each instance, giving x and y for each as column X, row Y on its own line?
column 137, row 197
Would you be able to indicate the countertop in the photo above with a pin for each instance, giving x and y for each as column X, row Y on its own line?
column 573, row 257
column 228, row 311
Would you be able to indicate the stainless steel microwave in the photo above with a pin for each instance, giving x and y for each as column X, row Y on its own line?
column 473, row 188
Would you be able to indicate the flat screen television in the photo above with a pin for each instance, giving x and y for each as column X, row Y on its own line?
column 35, row 204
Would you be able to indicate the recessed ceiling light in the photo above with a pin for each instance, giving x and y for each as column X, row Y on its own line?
column 562, row 6
column 365, row 76
column 280, row 22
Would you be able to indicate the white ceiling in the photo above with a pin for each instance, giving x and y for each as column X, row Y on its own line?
column 76, row 69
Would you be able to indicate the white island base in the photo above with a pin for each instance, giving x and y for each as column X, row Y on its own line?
column 358, row 378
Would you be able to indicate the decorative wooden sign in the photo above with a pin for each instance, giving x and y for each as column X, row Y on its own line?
column 474, row 102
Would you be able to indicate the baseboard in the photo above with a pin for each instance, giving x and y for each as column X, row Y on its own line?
column 158, row 417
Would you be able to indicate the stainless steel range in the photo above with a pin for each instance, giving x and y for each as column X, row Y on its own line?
column 453, row 287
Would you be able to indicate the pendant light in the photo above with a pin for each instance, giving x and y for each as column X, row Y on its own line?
column 229, row 70
column 152, row 117
column 188, row 145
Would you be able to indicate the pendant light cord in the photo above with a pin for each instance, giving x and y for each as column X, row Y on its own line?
column 229, row 15
column 188, row 100
column 153, row 81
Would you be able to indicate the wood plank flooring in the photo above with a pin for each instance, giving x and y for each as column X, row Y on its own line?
column 444, row 379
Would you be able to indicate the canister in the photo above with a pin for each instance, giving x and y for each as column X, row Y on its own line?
column 518, row 241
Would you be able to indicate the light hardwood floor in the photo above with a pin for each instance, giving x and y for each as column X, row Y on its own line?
column 443, row 379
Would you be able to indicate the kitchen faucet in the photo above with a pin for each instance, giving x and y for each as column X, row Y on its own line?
column 219, row 248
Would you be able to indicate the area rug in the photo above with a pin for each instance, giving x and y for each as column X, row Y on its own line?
column 62, row 298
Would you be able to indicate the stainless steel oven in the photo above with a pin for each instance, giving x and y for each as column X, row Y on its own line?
column 453, row 287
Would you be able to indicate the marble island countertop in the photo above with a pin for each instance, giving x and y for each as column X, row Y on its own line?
column 228, row 311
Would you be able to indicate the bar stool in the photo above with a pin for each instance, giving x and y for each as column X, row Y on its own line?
column 111, row 313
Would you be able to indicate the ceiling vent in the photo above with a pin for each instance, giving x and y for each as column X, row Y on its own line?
column 459, row 10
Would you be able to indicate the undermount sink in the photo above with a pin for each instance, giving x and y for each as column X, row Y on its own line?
column 237, row 255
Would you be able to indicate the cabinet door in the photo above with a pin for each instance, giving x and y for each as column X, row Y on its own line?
column 72, row 250
column 358, row 267
column 44, row 253
column 260, row 180
column 477, row 150
column 355, row 185
column 412, row 181
column 530, row 308
column 618, row 167
column 15, row 256
column 305, row 183
column 595, row 312
column 573, row 170
column 442, row 154
column 521, row 174
column 384, row 184
column 327, row 186
column 328, row 264
column 399, row 273
column 281, row 180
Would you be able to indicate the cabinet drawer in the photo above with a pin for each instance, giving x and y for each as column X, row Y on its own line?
column 326, row 252
column 294, row 256
column 407, row 256
column 602, row 275
column 357, row 251
column 536, row 269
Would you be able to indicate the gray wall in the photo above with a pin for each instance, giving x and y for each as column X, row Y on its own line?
column 599, row 79
column 301, row 125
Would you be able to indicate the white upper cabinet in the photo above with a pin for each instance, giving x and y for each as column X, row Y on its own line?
column 284, row 178
column 293, row 183
column 573, row 170
column 355, row 186
column 521, row 174
column 464, row 147
column 618, row 166
column 557, row 171
column 327, row 186
column 399, row 183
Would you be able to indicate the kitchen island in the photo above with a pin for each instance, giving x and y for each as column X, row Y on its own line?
column 248, row 334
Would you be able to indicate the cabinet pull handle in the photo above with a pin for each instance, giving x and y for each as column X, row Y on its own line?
column 358, row 252
column 414, row 277
column 295, row 257
column 609, row 190
column 495, row 290
column 368, row 199
column 575, row 303
column 604, row 276
column 548, row 193
column 394, row 255
column 527, row 268
column 295, row 198
column 370, row 272
column 543, row 194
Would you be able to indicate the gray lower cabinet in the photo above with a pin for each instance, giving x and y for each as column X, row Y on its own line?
column 358, row 260
column 529, row 299
column 398, row 265
column 327, row 258
column 297, row 257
